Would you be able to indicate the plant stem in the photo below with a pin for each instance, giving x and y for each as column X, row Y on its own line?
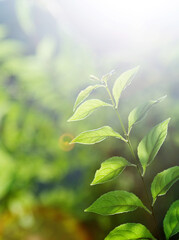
column 135, row 159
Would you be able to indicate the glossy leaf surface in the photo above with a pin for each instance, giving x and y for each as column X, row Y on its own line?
column 84, row 94
column 110, row 169
column 138, row 113
column 86, row 108
column 116, row 202
column 96, row 135
column 163, row 182
column 171, row 220
column 130, row 231
column 122, row 82
column 151, row 143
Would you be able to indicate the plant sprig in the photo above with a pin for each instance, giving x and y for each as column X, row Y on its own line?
column 120, row 201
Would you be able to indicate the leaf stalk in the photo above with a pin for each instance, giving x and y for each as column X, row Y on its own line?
column 134, row 157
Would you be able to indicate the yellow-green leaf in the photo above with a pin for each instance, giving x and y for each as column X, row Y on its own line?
column 86, row 108
column 122, row 82
column 116, row 202
column 130, row 231
column 150, row 144
column 163, row 182
column 138, row 113
column 96, row 135
column 94, row 78
column 171, row 220
column 110, row 169
column 84, row 94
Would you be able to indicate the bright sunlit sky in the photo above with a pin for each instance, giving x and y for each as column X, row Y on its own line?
column 114, row 23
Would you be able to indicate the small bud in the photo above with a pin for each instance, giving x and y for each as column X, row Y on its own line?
column 94, row 78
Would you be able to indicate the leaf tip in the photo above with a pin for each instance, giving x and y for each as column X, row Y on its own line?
column 168, row 119
column 70, row 119
column 137, row 68
column 94, row 182
column 72, row 141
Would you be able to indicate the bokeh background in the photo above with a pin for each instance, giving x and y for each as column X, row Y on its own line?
column 48, row 49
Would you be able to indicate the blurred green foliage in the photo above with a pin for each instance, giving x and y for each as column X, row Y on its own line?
column 44, row 183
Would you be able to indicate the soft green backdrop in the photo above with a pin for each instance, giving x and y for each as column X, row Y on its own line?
column 47, row 53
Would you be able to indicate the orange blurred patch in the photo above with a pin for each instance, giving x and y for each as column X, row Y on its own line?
column 49, row 223
column 64, row 142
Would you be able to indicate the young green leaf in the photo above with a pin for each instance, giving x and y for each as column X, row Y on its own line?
column 130, row 231
column 122, row 82
column 96, row 135
column 94, row 78
column 171, row 220
column 86, row 108
column 116, row 202
column 84, row 94
column 150, row 144
column 107, row 76
column 163, row 182
column 110, row 169
column 138, row 113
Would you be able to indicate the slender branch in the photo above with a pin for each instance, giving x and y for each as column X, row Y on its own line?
column 135, row 159
column 113, row 103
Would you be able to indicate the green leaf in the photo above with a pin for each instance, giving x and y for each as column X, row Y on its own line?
column 171, row 220
column 138, row 113
column 122, row 82
column 163, row 182
column 110, row 169
column 96, row 135
column 84, row 94
column 94, row 78
column 107, row 76
column 150, row 144
column 116, row 202
column 130, row 231
column 86, row 108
